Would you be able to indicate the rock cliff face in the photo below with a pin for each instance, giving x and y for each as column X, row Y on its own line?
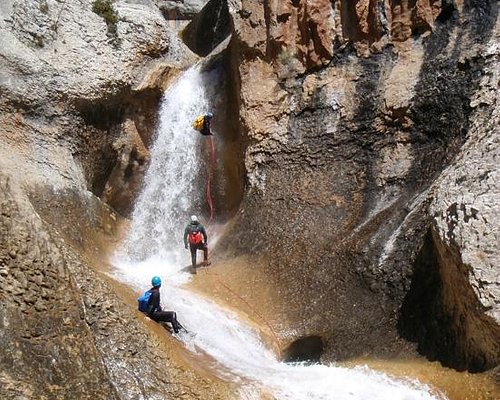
column 364, row 119
column 48, row 349
column 80, row 84
column 370, row 136
column 80, row 89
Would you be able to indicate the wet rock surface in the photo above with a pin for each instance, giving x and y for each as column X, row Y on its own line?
column 65, row 330
column 48, row 349
column 80, row 91
column 344, row 146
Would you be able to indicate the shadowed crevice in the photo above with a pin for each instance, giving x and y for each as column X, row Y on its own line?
column 308, row 348
column 443, row 315
column 208, row 28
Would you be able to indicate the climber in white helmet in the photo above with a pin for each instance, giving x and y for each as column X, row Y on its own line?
column 196, row 235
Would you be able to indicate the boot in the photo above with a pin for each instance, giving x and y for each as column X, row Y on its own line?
column 176, row 326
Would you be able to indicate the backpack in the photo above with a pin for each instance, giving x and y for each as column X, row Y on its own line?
column 198, row 122
column 195, row 237
column 144, row 301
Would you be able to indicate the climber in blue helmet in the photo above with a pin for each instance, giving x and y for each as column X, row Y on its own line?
column 154, row 310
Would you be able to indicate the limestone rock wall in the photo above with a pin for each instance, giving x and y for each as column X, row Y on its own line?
column 465, row 206
column 48, row 349
column 350, row 118
column 71, row 77
column 79, row 90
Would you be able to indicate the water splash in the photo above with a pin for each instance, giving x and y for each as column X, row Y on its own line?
column 170, row 194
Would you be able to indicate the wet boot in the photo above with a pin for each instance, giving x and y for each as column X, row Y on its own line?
column 193, row 259
column 176, row 326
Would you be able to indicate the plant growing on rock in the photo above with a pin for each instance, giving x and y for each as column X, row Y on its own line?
column 44, row 7
column 104, row 8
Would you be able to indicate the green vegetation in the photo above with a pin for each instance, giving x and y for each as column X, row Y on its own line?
column 44, row 7
column 104, row 8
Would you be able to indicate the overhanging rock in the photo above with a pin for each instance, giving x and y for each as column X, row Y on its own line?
column 208, row 28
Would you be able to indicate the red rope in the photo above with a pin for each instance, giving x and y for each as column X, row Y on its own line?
column 253, row 310
column 209, row 179
column 211, row 208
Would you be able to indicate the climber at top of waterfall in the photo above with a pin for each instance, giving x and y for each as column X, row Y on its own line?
column 196, row 235
column 154, row 309
column 202, row 124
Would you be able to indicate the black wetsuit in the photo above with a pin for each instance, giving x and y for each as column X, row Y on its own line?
column 205, row 129
column 157, row 314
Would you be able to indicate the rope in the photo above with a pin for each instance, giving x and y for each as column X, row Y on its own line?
column 253, row 309
column 209, row 179
column 56, row 24
column 211, row 208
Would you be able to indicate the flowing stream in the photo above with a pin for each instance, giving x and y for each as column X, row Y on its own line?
column 154, row 246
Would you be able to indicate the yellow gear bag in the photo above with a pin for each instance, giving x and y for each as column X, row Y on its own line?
column 198, row 122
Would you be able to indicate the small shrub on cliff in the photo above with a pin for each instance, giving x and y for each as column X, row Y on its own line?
column 44, row 7
column 104, row 8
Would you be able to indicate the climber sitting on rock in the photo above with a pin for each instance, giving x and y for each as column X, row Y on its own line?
column 149, row 303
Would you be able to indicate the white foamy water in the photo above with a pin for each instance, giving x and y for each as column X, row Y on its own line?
column 154, row 247
column 170, row 195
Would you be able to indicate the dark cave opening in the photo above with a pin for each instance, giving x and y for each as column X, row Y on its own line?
column 305, row 349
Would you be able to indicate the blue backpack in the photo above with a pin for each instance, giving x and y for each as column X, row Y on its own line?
column 144, row 301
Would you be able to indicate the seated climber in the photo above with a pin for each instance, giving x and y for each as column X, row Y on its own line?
column 149, row 303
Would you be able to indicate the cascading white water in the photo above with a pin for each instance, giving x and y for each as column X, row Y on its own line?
column 169, row 195
column 154, row 248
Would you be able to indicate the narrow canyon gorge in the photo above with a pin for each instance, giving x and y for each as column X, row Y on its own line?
column 351, row 193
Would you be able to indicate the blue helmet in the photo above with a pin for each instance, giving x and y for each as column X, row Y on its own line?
column 156, row 281
column 209, row 115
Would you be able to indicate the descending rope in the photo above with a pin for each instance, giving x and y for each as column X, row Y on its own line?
column 253, row 309
column 55, row 27
column 211, row 208
column 209, row 179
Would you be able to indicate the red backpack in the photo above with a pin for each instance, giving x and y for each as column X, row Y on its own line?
column 195, row 237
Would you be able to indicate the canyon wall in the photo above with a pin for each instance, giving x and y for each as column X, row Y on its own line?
column 372, row 139
column 80, row 84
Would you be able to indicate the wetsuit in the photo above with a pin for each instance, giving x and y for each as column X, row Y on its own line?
column 157, row 314
column 205, row 129
column 195, row 226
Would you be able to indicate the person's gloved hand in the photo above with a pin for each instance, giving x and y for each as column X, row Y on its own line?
column 186, row 246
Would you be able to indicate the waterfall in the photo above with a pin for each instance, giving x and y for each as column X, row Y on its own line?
column 154, row 247
column 170, row 194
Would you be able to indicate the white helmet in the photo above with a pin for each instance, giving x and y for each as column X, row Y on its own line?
column 194, row 218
